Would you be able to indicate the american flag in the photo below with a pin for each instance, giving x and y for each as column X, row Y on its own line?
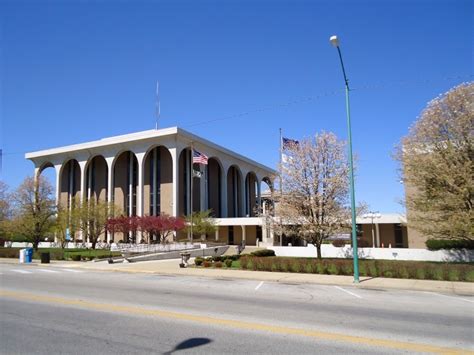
column 289, row 143
column 199, row 158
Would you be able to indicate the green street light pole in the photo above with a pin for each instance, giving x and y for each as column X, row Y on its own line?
column 335, row 42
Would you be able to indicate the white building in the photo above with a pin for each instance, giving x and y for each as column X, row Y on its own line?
column 149, row 173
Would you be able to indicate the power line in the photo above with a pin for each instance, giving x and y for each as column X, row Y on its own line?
column 362, row 87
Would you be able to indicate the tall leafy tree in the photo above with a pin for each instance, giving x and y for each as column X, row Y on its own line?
column 65, row 225
column 5, row 210
column 315, row 185
column 92, row 217
column 437, row 159
column 34, row 209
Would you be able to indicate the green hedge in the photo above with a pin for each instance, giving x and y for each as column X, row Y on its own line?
column 371, row 268
column 437, row 244
column 61, row 254
column 263, row 252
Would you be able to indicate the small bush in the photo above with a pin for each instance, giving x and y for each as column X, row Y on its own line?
column 403, row 273
column 420, row 274
column 18, row 239
column 218, row 264
column 228, row 262
column 437, row 244
column 347, row 269
column 321, row 268
column 469, row 276
column 437, row 274
column 263, row 252
column 332, row 269
column 454, row 275
column 362, row 269
column 206, row 263
column 198, row 261
column 284, row 265
column 76, row 257
column 339, row 243
column 244, row 262
column 296, row 266
column 216, row 258
column 9, row 253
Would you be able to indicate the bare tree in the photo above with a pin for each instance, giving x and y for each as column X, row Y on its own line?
column 315, row 185
column 437, row 159
column 34, row 209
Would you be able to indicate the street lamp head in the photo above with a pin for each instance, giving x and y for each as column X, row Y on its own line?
column 334, row 41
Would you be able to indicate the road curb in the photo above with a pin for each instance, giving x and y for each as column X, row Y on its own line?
column 457, row 288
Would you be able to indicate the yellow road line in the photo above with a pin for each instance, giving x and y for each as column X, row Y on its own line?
column 399, row 345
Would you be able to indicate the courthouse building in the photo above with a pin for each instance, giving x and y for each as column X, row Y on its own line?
column 152, row 172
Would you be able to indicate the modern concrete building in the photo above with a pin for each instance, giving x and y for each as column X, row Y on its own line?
column 149, row 173
column 388, row 230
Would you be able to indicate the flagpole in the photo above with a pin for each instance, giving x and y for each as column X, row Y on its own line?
column 158, row 106
column 281, row 183
column 192, row 183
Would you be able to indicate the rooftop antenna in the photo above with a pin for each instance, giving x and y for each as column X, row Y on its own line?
column 158, row 107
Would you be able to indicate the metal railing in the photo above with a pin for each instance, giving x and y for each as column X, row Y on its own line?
column 128, row 249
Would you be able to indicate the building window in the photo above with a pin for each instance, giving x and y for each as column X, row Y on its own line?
column 398, row 236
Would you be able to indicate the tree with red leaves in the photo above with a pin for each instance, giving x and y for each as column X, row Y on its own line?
column 127, row 225
column 159, row 226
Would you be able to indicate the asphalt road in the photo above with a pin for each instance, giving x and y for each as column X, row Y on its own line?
column 46, row 310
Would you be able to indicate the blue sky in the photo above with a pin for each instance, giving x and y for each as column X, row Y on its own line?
column 74, row 71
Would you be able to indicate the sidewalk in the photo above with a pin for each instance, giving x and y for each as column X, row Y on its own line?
column 171, row 267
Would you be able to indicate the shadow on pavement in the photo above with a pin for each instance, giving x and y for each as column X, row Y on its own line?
column 189, row 343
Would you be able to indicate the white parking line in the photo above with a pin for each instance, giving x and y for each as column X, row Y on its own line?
column 349, row 292
column 259, row 285
column 21, row 271
column 456, row 298
column 46, row 270
column 72, row 270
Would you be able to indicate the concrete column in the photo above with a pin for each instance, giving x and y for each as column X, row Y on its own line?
column 82, row 194
column 130, row 184
column 175, row 167
column 89, row 180
column 217, row 234
column 203, row 188
column 259, row 196
column 154, row 181
column 243, row 235
column 36, row 173
column 242, row 198
column 57, row 168
column 224, row 213
column 70, row 189
column 141, row 167
column 377, row 235
column 110, row 187
column 189, row 179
